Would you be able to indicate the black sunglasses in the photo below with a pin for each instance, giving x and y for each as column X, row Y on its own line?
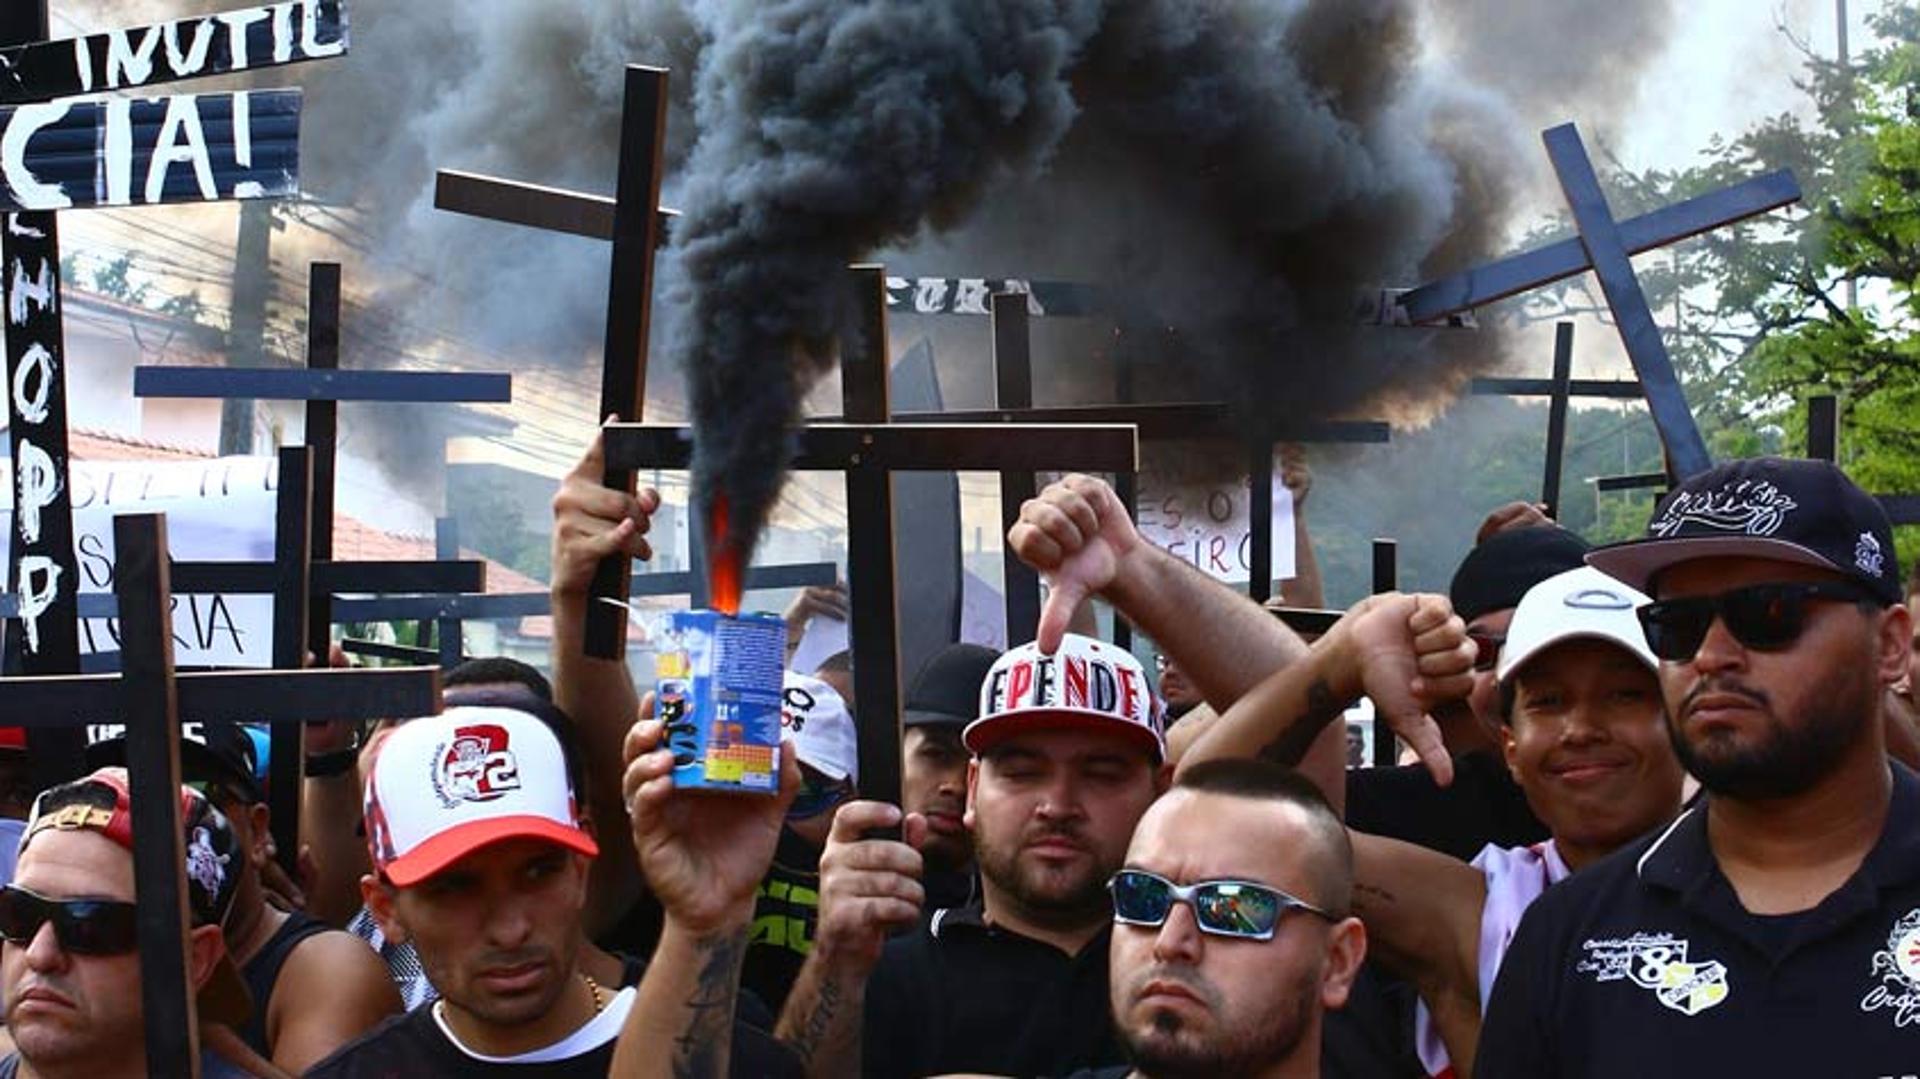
column 1224, row 908
column 83, row 926
column 1767, row 617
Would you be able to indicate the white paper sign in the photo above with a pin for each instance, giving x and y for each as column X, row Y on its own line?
column 983, row 613
column 824, row 638
column 1203, row 520
column 217, row 510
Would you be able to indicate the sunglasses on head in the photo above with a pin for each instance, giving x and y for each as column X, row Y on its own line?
column 1224, row 908
column 1767, row 617
column 83, row 926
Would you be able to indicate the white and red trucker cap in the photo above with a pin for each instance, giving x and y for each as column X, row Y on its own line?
column 444, row 786
column 1086, row 685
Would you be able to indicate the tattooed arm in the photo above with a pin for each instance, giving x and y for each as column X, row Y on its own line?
column 681, row 1025
column 704, row 857
column 868, row 888
column 1401, row 651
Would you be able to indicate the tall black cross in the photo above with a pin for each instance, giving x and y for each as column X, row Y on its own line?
column 869, row 449
column 1011, row 312
column 1605, row 246
column 151, row 699
column 113, row 152
column 632, row 222
column 323, row 385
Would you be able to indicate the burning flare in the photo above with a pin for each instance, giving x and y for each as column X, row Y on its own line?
column 724, row 557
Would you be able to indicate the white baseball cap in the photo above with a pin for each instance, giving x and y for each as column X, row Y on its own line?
column 1581, row 602
column 444, row 786
column 1086, row 685
column 815, row 715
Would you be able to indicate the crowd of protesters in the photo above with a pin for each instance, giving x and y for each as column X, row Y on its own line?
column 1657, row 818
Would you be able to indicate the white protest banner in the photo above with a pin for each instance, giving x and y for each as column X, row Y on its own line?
column 218, row 510
column 1190, row 509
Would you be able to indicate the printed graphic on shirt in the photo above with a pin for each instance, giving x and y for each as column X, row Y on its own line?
column 1896, row 973
column 1658, row 962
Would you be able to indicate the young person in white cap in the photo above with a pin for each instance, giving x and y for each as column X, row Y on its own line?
column 1584, row 733
column 480, row 861
column 787, row 906
column 1068, row 753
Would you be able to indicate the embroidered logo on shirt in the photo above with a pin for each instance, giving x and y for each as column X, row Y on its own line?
column 1897, row 970
column 1658, row 962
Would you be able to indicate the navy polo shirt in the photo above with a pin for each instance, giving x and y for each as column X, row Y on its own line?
column 962, row 995
column 1646, row 964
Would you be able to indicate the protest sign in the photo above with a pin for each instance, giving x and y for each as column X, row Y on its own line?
column 1197, row 512
column 217, row 510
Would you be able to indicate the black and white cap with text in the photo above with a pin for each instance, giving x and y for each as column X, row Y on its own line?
column 1806, row 512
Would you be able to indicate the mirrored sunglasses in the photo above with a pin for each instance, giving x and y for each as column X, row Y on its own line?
column 1224, row 908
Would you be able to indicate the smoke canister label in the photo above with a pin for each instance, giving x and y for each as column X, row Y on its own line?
column 717, row 683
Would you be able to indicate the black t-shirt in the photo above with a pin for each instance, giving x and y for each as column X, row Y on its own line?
column 785, row 912
column 1483, row 805
column 413, row 1045
column 262, row 973
column 959, row 995
column 1646, row 963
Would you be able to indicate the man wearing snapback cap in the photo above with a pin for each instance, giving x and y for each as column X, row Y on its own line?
column 70, row 963
column 1068, row 753
column 480, row 861
column 314, row 988
column 1774, row 928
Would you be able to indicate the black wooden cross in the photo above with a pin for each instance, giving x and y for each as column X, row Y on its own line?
column 1604, row 246
column 323, row 385
column 869, row 448
column 151, row 699
column 1560, row 390
column 632, row 221
column 1823, row 444
column 1011, row 312
column 116, row 151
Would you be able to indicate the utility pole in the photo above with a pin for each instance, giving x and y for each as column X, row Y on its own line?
column 247, row 336
column 1846, row 76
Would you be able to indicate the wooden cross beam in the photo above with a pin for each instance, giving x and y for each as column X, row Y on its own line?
column 500, row 606
column 1823, row 444
column 1386, row 578
column 322, row 385
column 150, row 699
column 117, row 151
column 1604, row 246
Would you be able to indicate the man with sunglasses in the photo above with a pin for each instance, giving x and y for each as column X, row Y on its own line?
column 787, row 904
column 1585, row 736
column 1774, row 928
column 70, row 963
column 314, row 988
column 1232, row 935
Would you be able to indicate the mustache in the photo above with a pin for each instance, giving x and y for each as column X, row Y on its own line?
column 1727, row 686
column 1186, row 977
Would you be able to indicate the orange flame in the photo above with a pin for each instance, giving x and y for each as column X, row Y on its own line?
column 723, row 562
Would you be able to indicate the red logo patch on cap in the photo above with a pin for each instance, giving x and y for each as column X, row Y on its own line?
column 476, row 766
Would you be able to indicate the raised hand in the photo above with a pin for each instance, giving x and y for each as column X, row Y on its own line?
column 1077, row 535
column 1409, row 652
column 868, row 887
column 704, row 854
column 592, row 521
column 1513, row 515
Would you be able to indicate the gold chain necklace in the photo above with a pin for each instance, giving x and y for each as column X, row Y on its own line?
column 599, row 1003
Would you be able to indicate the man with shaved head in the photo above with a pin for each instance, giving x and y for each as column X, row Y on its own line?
column 1232, row 934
